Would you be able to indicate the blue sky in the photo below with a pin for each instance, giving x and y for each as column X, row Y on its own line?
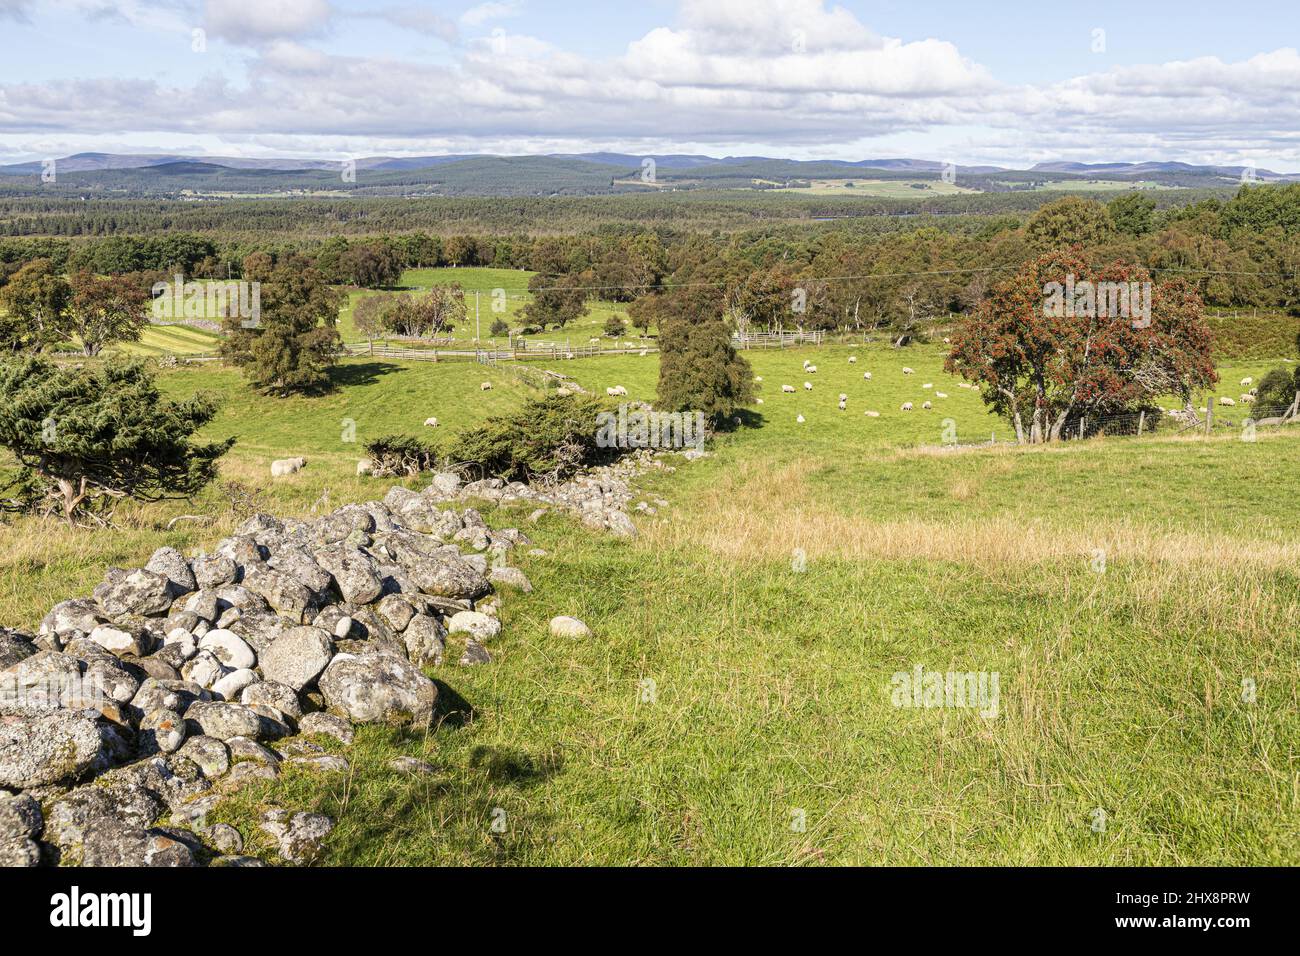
column 1011, row 83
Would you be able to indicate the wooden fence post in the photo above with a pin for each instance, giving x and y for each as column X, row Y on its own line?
column 1209, row 415
column 1142, row 419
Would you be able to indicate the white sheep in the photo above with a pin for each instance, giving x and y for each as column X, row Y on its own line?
column 843, row 397
column 787, row 388
column 1225, row 400
column 1247, row 399
column 928, row 385
column 807, row 386
column 907, row 371
column 871, row 414
column 812, row 369
column 940, row 394
column 431, row 423
column 365, row 466
column 1247, row 381
column 485, row 386
column 866, row 376
column 843, row 406
column 927, row 405
column 853, row 360
column 759, row 400
column 799, row 419
column 287, row 466
column 906, row 407
column 806, row 363
column 758, row 378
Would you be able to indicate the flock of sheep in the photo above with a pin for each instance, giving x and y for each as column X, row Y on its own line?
column 811, row 369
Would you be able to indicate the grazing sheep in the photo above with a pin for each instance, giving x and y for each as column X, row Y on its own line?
column 1225, row 400
column 906, row 407
column 486, row 387
column 843, row 397
column 431, row 422
column 1247, row 381
column 287, row 466
column 927, row 405
column 593, row 341
column 928, row 385
column 787, row 388
column 907, row 371
column 843, row 406
column 867, row 376
column 806, row 363
column 1247, row 399
column 853, row 360
column 1254, row 391
column 759, row 400
column 871, row 414
column 946, row 340
column 940, row 394
column 807, row 386
column 611, row 392
column 799, row 419
column 812, row 369
column 365, row 466
column 758, row 378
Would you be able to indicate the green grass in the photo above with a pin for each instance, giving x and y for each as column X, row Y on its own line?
column 724, row 689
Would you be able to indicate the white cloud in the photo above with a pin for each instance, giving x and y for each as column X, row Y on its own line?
column 489, row 12
column 251, row 22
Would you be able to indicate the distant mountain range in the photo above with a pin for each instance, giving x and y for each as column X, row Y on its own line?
column 595, row 173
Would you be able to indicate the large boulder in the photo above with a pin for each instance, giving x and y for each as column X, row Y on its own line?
column 75, row 616
column 222, row 720
column 289, row 597
column 426, row 640
column 134, row 592
column 172, row 564
column 297, row 657
column 40, row 747
column 354, row 573
column 378, row 688
column 447, row 576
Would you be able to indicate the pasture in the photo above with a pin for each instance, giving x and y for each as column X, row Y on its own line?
column 734, row 705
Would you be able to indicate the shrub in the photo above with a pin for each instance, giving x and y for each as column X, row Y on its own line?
column 549, row 438
column 400, row 456
column 499, row 327
column 1276, row 392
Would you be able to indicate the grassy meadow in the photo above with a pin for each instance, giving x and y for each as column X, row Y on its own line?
column 734, row 705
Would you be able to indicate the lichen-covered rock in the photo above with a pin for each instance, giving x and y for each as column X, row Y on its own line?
column 122, row 639
column 21, row 823
column 411, row 765
column 569, row 627
column 209, row 754
column 298, row 657
column 77, row 615
column 134, row 592
column 511, row 578
column 269, row 693
column 214, row 571
column 328, row 725
column 289, row 597
column 229, row 648
column 426, row 640
column 232, row 685
column 172, row 565
column 40, row 747
column 474, row 653
column 298, row 836
column 222, row 719
column 479, row 626
column 448, row 576
column 395, row 610
column 162, row 730
column 378, row 688
column 354, row 573
column 14, row 647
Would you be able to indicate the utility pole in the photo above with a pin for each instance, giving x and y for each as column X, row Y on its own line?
column 478, row 334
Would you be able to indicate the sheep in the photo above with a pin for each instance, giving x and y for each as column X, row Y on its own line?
column 812, row 369
column 431, row 423
column 928, row 385
column 853, row 360
column 940, row 394
column 866, row 376
column 485, row 387
column 759, row 400
column 871, row 414
column 927, row 405
column 287, row 466
column 843, row 397
column 787, row 388
column 758, row 378
column 611, row 392
column 807, row 386
column 799, row 419
column 365, row 466
column 1247, row 381
column 806, row 363
column 843, row 406
column 1225, row 400
column 906, row 407
column 1247, row 399
column 907, row 371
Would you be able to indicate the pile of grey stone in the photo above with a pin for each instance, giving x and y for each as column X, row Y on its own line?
column 131, row 712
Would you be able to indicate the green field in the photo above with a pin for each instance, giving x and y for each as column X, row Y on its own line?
column 728, row 693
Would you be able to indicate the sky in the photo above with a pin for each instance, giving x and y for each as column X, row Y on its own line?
column 1008, row 82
